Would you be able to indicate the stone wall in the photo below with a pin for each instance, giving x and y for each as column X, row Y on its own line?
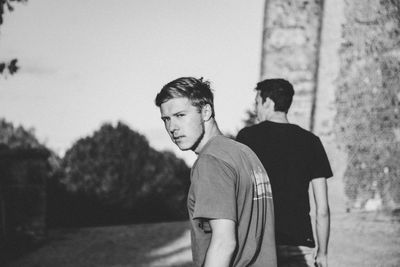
column 368, row 102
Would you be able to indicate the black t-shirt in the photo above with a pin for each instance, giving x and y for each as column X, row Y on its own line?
column 292, row 157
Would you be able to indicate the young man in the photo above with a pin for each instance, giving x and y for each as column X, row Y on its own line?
column 229, row 201
column 292, row 157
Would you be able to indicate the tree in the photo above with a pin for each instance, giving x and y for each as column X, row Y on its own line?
column 17, row 137
column 117, row 167
column 10, row 66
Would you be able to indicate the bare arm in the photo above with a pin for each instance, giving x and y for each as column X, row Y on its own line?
column 222, row 245
column 322, row 223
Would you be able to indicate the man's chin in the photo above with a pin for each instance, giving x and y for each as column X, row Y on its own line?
column 183, row 148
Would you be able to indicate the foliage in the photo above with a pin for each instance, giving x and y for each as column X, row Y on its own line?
column 368, row 102
column 115, row 171
column 7, row 4
column 17, row 137
column 111, row 177
column 24, row 170
column 11, row 66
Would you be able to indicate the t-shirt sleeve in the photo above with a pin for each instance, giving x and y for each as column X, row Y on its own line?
column 321, row 165
column 214, row 189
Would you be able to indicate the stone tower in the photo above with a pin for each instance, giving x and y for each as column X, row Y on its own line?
column 301, row 41
column 291, row 42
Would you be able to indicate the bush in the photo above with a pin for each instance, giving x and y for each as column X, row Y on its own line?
column 114, row 176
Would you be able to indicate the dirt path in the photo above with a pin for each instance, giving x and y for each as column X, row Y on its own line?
column 364, row 239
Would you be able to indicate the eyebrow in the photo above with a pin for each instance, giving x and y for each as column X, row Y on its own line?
column 176, row 113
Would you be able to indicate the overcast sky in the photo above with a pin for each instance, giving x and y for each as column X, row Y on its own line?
column 86, row 62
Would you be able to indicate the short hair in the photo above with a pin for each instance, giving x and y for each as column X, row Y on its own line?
column 196, row 90
column 280, row 91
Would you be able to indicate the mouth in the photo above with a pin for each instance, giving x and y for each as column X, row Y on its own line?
column 177, row 138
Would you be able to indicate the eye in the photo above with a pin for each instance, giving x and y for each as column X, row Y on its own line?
column 180, row 115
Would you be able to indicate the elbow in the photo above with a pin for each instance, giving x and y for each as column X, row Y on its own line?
column 323, row 213
column 230, row 247
column 226, row 247
column 220, row 253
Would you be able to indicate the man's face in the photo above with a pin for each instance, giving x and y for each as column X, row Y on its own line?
column 183, row 122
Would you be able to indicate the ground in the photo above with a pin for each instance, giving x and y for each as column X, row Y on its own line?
column 358, row 239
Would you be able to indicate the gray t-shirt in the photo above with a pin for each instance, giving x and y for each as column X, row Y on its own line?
column 229, row 182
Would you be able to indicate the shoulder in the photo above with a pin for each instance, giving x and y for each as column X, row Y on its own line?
column 209, row 160
column 305, row 133
column 251, row 130
column 225, row 149
column 243, row 132
column 221, row 147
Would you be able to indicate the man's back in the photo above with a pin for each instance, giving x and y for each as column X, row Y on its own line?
column 228, row 181
column 292, row 157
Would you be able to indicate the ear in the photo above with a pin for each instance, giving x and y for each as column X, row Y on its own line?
column 206, row 112
column 268, row 103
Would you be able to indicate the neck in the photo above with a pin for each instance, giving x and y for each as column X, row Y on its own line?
column 211, row 130
column 278, row 116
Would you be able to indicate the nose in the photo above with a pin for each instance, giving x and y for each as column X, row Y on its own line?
column 172, row 126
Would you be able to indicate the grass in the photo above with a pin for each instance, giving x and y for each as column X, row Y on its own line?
column 357, row 239
column 130, row 245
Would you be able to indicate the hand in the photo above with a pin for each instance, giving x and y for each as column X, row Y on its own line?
column 321, row 260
